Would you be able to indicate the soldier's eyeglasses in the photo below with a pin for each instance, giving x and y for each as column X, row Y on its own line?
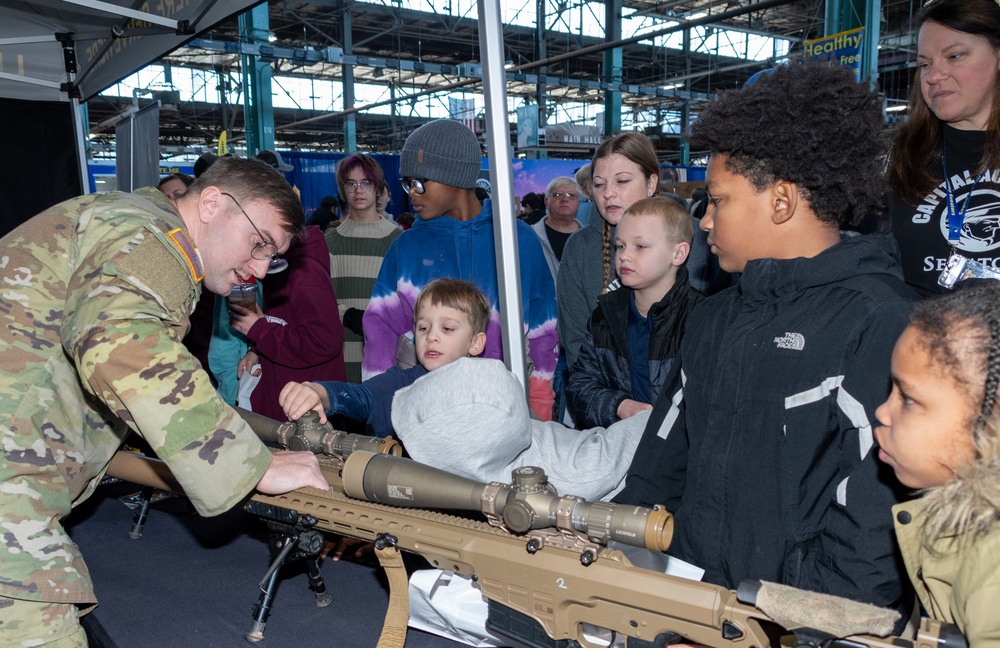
column 413, row 184
column 263, row 251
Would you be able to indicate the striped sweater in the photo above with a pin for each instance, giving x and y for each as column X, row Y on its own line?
column 356, row 252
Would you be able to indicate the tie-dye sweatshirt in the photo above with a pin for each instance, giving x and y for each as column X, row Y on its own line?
column 445, row 247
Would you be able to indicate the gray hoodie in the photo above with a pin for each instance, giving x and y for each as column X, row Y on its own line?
column 470, row 418
column 580, row 282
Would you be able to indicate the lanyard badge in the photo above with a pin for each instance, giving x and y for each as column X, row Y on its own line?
column 959, row 267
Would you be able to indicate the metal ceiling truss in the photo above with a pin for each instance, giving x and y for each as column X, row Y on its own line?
column 416, row 54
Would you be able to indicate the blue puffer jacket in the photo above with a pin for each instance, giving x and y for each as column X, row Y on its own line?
column 601, row 378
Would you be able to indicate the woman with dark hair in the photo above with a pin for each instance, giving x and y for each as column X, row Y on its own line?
column 945, row 165
column 625, row 169
column 357, row 247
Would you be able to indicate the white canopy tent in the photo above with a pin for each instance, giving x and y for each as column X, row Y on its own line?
column 57, row 50
column 55, row 54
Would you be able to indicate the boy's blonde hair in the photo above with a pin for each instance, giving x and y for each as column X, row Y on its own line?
column 680, row 228
column 460, row 295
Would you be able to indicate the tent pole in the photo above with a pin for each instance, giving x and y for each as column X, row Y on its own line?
column 502, row 184
column 79, row 120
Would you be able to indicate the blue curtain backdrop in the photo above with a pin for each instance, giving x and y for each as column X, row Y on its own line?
column 314, row 175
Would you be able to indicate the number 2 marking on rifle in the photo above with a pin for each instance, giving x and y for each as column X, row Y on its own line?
column 561, row 582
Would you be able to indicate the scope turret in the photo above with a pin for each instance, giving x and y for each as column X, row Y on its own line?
column 529, row 503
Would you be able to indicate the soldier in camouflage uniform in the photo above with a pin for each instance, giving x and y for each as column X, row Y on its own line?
column 95, row 295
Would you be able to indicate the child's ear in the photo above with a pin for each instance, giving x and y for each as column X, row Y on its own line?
column 478, row 344
column 681, row 252
column 785, row 198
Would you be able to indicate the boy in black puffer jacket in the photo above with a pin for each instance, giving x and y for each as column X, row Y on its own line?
column 635, row 331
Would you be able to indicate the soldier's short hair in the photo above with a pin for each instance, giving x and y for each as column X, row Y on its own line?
column 250, row 180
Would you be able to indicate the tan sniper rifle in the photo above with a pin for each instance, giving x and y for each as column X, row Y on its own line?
column 542, row 582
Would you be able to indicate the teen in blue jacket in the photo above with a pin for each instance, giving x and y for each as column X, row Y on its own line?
column 440, row 164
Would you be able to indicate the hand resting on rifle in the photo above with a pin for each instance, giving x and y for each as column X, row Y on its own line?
column 290, row 470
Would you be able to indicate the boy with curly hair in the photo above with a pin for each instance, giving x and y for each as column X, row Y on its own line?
column 766, row 454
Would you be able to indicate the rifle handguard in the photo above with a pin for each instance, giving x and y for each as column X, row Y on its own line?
column 308, row 434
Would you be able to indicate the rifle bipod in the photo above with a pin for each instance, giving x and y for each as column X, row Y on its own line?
column 292, row 539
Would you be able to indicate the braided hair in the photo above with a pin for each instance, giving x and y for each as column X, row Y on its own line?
column 961, row 331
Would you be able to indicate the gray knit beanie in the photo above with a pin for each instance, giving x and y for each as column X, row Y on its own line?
column 444, row 151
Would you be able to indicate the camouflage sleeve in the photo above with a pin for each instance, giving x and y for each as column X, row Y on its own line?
column 125, row 317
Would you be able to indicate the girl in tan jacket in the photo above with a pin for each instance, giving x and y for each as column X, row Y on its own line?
column 938, row 431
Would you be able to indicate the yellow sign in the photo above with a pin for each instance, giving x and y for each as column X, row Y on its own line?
column 844, row 49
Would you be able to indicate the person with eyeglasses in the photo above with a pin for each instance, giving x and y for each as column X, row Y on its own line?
column 357, row 247
column 453, row 237
column 562, row 199
column 98, row 291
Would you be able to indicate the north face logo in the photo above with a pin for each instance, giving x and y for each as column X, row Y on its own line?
column 795, row 341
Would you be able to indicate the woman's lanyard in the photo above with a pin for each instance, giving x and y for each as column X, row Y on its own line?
column 955, row 217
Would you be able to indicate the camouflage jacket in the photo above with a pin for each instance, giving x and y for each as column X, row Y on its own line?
column 95, row 295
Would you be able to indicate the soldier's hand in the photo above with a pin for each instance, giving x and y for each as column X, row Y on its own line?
column 290, row 470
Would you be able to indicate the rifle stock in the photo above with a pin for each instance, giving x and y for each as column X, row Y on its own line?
column 547, row 586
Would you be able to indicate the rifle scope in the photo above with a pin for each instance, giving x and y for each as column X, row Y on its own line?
column 309, row 435
column 529, row 503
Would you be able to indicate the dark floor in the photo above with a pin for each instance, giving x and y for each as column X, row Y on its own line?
column 192, row 582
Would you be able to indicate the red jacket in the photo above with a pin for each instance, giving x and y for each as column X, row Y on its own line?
column 300, row 337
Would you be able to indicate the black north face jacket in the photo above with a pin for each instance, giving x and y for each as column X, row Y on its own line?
column 768, row 460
